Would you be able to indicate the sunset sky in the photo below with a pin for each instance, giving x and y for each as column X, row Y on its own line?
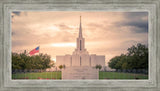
column 105, row 33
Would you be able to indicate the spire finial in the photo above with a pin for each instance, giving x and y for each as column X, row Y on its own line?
column 80, row 18
column 80, row 29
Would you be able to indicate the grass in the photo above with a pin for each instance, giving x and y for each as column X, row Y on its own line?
column 37, row 75
column 57, row 75
column 120, row 75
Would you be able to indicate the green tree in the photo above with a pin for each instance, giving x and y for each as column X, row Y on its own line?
column 135, row 58
column 125, row 65
column 113, row 62
column 138, row 56
column 60, row 66
column 16, row 61
column 23, row 61
column 98, row 66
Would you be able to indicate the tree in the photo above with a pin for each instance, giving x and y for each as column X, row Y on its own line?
column 135, row 58
column 52, row 64
column 138, row 56
column 113, row 63
column 60, row 66
column 23, row 61
column 16, row 61
column 98, row 66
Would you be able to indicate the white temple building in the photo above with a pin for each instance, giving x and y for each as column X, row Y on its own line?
column 81, row 64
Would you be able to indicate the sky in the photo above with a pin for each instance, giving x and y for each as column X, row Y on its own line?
column 105, row 33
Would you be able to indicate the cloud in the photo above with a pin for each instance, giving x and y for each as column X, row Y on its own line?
column 134, row 22
column 16, row 13
column 137, row 20
column 135, row 15
column 63, row 27
column 136, row 26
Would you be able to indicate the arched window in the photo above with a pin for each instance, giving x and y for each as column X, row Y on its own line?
column 80, row 44
column 80, row 60
column 90, row 60
column 71, row 61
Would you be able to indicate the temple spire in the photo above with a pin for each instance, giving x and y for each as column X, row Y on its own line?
column 80, row 29
column 80, row 42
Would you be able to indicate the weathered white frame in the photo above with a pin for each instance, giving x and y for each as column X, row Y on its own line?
column 8, row 6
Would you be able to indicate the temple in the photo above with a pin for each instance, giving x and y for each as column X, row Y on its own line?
column 81, row 64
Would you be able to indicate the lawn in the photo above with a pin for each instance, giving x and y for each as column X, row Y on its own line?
column 57, row 75
column 37, row 75
column 120, row 75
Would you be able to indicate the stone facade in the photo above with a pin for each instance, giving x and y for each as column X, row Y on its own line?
column 81, row 64
column 80, row 60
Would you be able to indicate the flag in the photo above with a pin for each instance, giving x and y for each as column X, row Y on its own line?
column 34, row 51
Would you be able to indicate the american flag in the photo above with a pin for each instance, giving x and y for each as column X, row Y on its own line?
column 34, row 51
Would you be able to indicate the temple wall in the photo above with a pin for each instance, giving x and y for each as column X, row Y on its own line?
column 85, row 60
column 59, row 60
column 75, row 60
column 63, row 60
column 67, row 60
column 93, row 60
